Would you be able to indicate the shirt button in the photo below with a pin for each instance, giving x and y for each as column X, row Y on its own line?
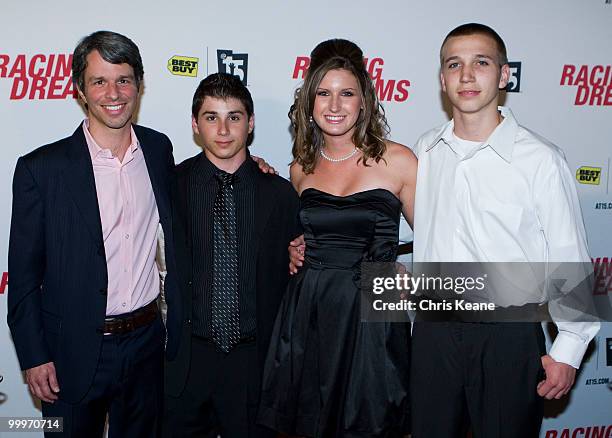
column 127, row 236
column 123, row 304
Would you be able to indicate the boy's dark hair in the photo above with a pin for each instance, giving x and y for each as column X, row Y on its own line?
column 222, row 86
column 478, row 29
column 112, row 47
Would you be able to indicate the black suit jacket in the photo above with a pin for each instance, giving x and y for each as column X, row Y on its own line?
column 276, row 224
column 57, row 263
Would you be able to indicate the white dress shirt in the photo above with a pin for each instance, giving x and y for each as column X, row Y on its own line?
column 511, row 198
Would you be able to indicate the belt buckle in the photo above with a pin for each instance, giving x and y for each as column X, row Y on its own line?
column 118, row 326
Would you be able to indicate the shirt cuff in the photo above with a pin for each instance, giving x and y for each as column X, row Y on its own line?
column 568, row 348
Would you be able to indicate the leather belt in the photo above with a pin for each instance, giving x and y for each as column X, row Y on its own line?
column 121, row 324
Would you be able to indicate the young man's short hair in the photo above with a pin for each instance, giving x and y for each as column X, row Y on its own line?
column 478, row 29
column 222, row 86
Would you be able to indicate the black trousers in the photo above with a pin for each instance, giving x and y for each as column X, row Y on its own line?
column 219, row 397
column 128, row 386
column 478, row 375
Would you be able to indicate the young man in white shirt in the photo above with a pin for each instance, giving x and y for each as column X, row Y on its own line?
column 489, row 190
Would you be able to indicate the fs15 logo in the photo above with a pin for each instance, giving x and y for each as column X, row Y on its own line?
column 39, row 76
column 514, row 82
column 236, row 64
column 594, row 83
column 386, row 89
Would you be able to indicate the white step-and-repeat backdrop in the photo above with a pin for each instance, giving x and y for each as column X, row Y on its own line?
column 561, row 88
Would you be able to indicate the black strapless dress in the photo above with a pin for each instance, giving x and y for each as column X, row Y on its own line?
column 327, row 374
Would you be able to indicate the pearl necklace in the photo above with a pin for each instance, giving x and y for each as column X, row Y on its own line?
column 337, row 160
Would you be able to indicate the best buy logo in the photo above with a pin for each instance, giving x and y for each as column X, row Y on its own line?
column 588, row 175
column 183, row 66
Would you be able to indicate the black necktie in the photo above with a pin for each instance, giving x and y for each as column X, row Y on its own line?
column 225, row 305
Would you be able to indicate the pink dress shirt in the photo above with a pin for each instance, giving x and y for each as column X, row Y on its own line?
column 129, row 217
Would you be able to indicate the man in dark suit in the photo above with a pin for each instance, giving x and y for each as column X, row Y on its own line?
column 86, row 215
column 232, row 225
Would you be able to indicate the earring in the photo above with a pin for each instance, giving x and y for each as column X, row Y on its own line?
column 311, row 119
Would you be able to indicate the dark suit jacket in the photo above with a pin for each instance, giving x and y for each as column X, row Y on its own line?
column 57, row 263
column 276, row 224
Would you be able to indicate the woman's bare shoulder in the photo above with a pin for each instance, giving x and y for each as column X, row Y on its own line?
column 398, row 154
column 296, row 174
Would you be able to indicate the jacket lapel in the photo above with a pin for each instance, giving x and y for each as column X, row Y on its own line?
column 263, row 207
column 155, row 170
column 79, row 178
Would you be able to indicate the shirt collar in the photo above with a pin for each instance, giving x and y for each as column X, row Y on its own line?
column 501, row 139
column 95, row 151
column 445, row 133
column 205, row 170
column 247, row 170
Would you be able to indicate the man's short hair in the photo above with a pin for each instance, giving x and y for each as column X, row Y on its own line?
column 222, row 86
column 112, row 47
column 478, row 29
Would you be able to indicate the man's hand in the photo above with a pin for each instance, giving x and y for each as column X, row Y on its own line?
column 42, row 382
column 263, row 166
column 559, row 378
column 296, row 254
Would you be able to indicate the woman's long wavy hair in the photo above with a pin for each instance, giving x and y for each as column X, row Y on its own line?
column 371, row 128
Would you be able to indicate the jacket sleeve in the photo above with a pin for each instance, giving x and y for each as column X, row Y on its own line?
column 26, row 263
column 295, row 226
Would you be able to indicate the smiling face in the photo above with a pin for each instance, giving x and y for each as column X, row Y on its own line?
column 222, row 127
column 110, row 92
column 471, row 75
column 337, row 104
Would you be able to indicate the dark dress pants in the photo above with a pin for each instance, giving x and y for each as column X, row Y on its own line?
column 128, row 386
column 219, row 397
column 478, row 375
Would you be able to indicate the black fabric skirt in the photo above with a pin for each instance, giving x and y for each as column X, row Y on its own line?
column 327, row 374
